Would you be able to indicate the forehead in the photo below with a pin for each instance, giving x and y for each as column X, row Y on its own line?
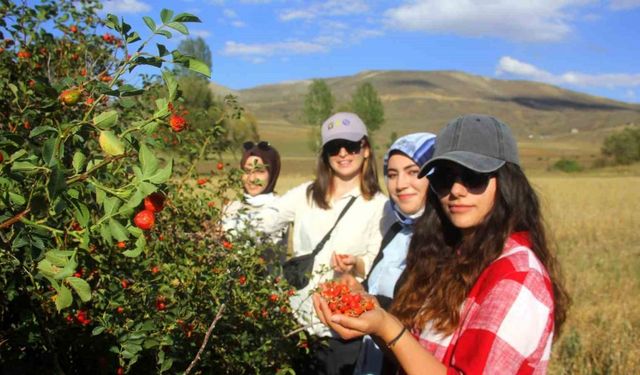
column 399, row 160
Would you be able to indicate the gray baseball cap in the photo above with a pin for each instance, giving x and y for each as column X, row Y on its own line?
column 343, row 125
column 479, row 142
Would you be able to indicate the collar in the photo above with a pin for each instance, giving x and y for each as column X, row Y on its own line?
column 258, row 200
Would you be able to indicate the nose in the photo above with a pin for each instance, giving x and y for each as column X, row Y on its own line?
column 458, row 189
column 402, row 181
column 343, row 152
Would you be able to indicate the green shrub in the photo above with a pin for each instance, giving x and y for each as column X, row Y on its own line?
column 567, row 165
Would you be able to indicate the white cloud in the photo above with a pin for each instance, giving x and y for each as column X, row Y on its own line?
column 326, row 8
column 125, row 6
column 238, row 24
column 253, row 51
column 533, row 20
column 229, row 13
column 624, row 4
column 200, row 33
column 512, row 67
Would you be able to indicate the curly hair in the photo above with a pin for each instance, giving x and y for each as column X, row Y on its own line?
column 442, row 268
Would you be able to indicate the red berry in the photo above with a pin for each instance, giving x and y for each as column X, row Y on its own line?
column 144, row 220
column 227, row 245
column 22, row 54
column 121, row 244
column 83, row 72
column 210, row 204
column 73, row 29
column 220, row 165
column 177, row 123
column 160, row 306
column 155, row 269
column 202, row 181
column 120, row 371
column 242, row 280
column 124, row 283
column 120, row 310
column 273, row 297
column 154, row 202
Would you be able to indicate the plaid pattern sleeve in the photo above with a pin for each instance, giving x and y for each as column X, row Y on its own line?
column 507, row 320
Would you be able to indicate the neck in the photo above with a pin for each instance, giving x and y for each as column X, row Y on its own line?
column 341, row 185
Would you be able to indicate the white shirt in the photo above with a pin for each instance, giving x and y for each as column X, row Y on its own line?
column 358, row 233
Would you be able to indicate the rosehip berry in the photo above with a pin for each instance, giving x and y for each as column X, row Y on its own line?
column 273, row 298
column 242, row 280
column 154, row 202
column 211, row 204
column 160, row 306
column 202, row 181
column 120, row 371
column 144, row 220
column 124, row 283
column 220, row 165
column 73, row 29
column 22, row 54
column 177, row 123
column 70, row 96
column 121, row 245
column 155, row 270
column 227, row 245
column 120, row 310
column 89, row 101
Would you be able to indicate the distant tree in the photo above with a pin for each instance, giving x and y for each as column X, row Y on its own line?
column 623, row 147
column 318, row 106
column 318, row 103
column 194, row 47
column 392, row 138
column 366, row 104
column 240, row 130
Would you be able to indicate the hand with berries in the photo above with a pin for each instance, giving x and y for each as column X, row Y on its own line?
column 345, row 263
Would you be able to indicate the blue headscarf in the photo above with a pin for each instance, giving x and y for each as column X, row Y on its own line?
column 417, row 147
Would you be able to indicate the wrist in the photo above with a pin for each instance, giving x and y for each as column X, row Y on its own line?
column 390, row 327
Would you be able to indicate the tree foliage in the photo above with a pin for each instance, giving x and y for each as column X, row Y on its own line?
column 623, row 147
column 197, row 48
column 318, row 103
column 366, row 103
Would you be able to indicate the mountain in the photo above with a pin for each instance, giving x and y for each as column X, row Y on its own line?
column 426, row 100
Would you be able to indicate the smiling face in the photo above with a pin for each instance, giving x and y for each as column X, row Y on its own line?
column 255, row 177
column 347, row 165
column 405, row 188
column 469, row 199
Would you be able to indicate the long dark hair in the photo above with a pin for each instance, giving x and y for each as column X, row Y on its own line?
column 321, row 188
column 442, row 268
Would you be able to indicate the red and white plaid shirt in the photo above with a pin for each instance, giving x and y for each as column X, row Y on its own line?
column 507, row 320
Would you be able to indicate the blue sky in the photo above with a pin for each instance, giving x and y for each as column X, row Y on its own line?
column 584, row 45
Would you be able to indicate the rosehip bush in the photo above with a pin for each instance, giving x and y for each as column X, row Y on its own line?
column 83, row 287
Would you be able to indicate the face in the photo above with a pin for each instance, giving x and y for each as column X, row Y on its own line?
column 405, row 188
column 255, row 177
column 345, row 158
column 466, row 197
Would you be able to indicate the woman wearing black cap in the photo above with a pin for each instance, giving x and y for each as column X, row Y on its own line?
column 260, row 163
column 481, row 292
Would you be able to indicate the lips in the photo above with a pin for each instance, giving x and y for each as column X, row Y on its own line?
column 404, row 197
column 459, row 208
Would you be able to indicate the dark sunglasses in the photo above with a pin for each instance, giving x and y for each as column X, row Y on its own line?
column 443, row 178
column 333, row 148
column 262, row 145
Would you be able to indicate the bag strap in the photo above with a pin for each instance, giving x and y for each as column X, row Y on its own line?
column 324, row 240
column 391, row 233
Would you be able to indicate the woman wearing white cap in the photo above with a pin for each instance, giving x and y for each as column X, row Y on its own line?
column 339, row 212
column 482, row 292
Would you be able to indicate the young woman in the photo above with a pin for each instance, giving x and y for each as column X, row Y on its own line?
column 261, row 166
column 407, row 199
column 345, row 170
column 481, row 293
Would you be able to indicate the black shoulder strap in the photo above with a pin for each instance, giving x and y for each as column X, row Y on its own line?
column 324, row 240
column 391, row 233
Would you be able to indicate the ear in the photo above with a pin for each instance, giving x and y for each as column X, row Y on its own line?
column 367, row 152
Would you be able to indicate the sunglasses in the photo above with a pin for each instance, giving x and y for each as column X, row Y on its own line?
column 262, row 145
column 333, row 148
column 442, row 179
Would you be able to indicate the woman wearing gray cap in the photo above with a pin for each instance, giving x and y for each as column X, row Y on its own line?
column 481, row 292
column 339, row 212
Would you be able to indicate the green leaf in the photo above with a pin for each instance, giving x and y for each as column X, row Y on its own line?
column 163, row 174
column 141, row 242
column 48, row 151
column 98, row 330
column 111, row 205
column 22, row 166
column 68, row 270
column 166, row 365
column 200, row 67
column 46, row 268
column 171, row 83
column 17, row 199
column 57, row 181
column 162, row 50
column 81, row 287
column 105, row 120
column 78, row 161
column 134, row 37
column 110, row 143
column 41, row 130
column 64, row 298
column 57, row 258
column 118, row 230
column 106, row 233
column 186, row 17
column 81, row 214
column 148, row 161
column 164, row 33
column 150, row 23
column 179, row 27
column 165, row 15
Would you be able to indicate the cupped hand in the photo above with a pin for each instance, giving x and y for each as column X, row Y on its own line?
column 349, row 327
column 352, row 283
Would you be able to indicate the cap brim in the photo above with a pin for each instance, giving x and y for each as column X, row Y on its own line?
column 353, row 137
column 476, row 162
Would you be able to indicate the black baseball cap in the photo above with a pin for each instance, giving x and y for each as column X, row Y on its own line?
column 481, row 143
